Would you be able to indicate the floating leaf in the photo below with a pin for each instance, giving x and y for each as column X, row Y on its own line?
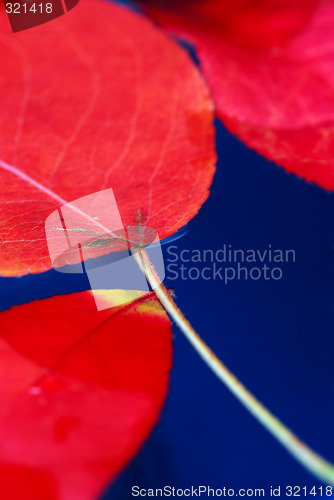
column 100, row 99
column 269, row 65
column 80, row 390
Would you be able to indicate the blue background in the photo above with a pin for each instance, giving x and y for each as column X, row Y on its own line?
column 276, row 336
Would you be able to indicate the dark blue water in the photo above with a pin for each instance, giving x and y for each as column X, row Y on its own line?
column 277, row 336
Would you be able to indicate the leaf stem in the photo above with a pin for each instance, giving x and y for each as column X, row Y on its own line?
column 311, row 460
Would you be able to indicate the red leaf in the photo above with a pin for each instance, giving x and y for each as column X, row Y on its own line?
column 100, row 99
column 80, row 391
column 255, row 23
column 276, row 93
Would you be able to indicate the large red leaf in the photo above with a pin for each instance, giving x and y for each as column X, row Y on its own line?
column 98, row 99
column 269, row 64
column 80, row 391
column 248, row 23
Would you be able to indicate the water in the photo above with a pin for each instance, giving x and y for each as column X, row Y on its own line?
column 277, row 337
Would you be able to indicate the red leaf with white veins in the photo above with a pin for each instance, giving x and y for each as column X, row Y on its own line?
column 96, row 99
column 80, row 391
column 270, row 68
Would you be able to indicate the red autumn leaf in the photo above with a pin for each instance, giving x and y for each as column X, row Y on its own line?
column 80, row 391
column 100, row 99
column 269, row 65
column 255, row 23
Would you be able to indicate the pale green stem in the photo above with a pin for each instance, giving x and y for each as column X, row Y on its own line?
column 313, row 462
